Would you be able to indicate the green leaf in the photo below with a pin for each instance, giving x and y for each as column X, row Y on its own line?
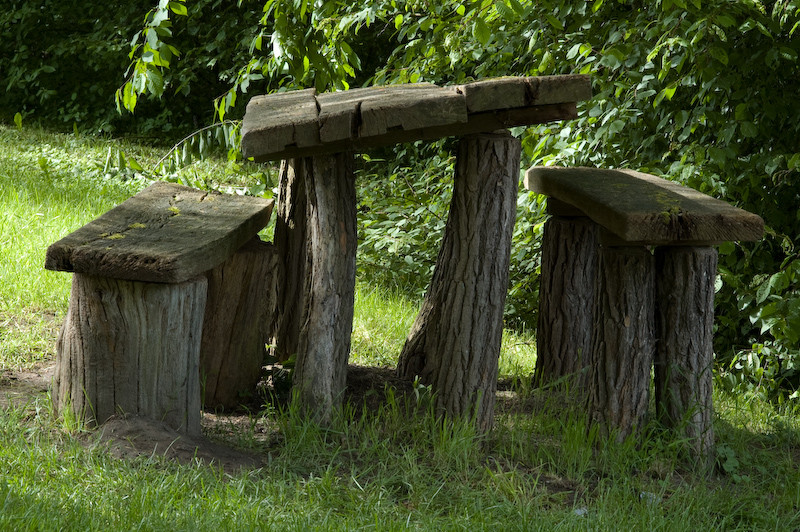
column 481, row 31
column 667, row 92
column 18, row 120
column 748, row 129
column 178, row 8
column 616, row 126
column 719, row 54
column 460, row 10
column 503, row 10
column 741, row 112
column 398, row 21
column 517, row 7
column 723, row 20
column 553, row 21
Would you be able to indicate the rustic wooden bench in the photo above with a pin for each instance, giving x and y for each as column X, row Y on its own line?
column 612, row 307
column 454, row 343
column 169, row 285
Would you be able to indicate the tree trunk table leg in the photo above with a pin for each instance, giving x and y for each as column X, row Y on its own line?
column 238, row 324
column 566, row 295
column 623, row 345
column 291, row 249
column 454, row 344
column 685, row 355
column 131, row 347
column 319, row 276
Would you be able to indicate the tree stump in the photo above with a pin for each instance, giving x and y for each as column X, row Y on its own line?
column 319, row 274
column 131, row 347
column 685, row 354
column 291, row 247
column 566, row 298
column 454, row 344
column 623, row 343
column 238, row 324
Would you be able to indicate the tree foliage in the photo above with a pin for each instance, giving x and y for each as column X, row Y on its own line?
column 700, row 91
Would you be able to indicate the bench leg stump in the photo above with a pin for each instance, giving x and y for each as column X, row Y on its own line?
column 132, row 348
column 685, row 355
column 454, row 343
column 623, row 345
column 320, row 277
column 238, row 324
column 566, row 294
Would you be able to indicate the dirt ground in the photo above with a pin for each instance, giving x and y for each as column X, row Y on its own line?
column 129, row 438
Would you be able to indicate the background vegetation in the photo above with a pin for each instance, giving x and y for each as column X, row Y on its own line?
column 386, row 462
column 700, row 91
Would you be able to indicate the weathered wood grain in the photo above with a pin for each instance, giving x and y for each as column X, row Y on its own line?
column 454, row 343
column 623, row 341
column 302, row 123
column 641, row 208
column 341, row 116
column 316, row 301
column 684, row 362
column 281, row 120
column 166, row 233
column 411, row 109
column 566, row 295
column 517, row 92
column 128, row 347
column 238, row 323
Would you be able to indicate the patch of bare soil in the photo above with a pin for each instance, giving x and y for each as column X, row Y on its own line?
column 19, row 387
column 132, row 437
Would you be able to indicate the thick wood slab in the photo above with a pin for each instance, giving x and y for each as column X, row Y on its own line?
column 285, row 119
column 303, row 123
column 642, row 208
column 167, row 233
column 512, row 92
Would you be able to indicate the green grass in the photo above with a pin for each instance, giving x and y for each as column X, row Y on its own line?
column 388, row 468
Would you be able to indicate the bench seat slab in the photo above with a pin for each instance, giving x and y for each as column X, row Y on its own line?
column 167, row 233
column 645, row 209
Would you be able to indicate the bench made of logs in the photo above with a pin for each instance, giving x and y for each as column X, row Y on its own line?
column 454, row 342
column 611, row 307
column 172, row 284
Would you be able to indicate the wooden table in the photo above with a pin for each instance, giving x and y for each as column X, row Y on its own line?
column 454, row 343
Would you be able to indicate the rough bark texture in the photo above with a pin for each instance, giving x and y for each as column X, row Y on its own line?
column 566, row 295
column 292, row 255
column 685, row 356
column 623, row 345
column 238, row 324
column 454, row 343
column 130, row 347
column 322, row 283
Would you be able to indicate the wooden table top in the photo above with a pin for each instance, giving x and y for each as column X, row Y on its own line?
column 303, row 123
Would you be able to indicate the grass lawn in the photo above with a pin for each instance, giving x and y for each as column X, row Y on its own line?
column 386, row 463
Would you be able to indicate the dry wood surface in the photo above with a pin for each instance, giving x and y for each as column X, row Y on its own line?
column 166, row 233
column 643, row 208
column 303, row 123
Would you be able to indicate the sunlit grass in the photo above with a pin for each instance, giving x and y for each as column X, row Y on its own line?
column 394, row 467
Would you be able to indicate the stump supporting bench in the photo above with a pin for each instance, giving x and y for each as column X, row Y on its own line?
column 170, row 285
column 454, row 343
column 612, row 308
